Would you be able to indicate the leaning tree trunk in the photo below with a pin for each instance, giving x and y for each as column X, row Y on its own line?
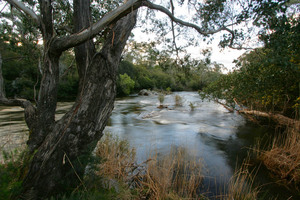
column 59, row 146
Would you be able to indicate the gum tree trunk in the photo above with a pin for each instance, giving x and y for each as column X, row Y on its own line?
column 59, row 147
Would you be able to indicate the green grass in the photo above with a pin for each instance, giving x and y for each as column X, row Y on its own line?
column 11, row 170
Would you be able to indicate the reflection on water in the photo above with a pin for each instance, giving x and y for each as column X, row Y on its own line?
column 209, row 132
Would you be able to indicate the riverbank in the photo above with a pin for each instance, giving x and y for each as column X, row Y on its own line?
column 208, row 132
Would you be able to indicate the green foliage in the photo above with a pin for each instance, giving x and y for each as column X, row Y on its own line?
column 69, row 79
column 267, row 78
column 11, row 171
column 126, row 84
column 19, row 71
column 68, row 88
column 190, row 74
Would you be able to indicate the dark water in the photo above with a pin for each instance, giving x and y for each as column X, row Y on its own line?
column 209, row 133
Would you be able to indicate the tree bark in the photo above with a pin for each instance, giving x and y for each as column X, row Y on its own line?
column 58, row 163
column 85, row 51
column 2, row 91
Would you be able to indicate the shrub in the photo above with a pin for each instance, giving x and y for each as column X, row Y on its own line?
column 161, row 98
column 126, row 84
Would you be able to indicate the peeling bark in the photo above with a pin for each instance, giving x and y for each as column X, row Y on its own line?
column 77, row 133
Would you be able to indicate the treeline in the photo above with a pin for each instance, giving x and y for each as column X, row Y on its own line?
column 266, row 79
column 134, row 77
column 22, row 74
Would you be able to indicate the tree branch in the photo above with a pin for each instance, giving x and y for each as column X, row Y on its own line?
column 150, row 5
column 173, row 30
column 20, row 6
column 90, row 32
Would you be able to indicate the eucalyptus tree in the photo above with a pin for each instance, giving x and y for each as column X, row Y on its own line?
column 57, row 146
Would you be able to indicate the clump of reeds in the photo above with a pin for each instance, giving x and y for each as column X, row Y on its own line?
column 173, row 176
column 161, row 99
column 178, row 100
column 283, row 157
column 117, row 157
column 241, row 185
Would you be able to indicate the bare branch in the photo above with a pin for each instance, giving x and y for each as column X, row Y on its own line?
column 179, row 21
column 20, row 6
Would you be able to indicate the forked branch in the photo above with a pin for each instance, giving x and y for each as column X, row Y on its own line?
column 20, row 6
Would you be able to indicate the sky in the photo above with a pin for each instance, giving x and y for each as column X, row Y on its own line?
column 223, row 56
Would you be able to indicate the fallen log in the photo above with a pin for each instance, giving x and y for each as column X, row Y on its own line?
column 278, row 118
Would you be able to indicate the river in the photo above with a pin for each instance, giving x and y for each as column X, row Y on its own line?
column 208, row 132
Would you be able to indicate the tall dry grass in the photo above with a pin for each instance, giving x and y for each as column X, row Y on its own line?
column 283, row 157
column 241, row 186
column 173, row 176
column 117, row 158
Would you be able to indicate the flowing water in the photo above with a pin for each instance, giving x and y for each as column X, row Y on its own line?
column 208, row 132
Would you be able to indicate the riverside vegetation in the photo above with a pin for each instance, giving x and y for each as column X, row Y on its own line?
column 114, row 174
column 265, row 85
column 265, row 81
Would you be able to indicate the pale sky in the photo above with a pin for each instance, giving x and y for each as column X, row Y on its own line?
column 224, row 56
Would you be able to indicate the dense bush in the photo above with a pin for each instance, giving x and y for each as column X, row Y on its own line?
column 125, row 83
column 175, row 78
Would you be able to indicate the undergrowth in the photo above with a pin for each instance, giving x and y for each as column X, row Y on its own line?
column 11, row 171
column 282, row 158
column 116, row 175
